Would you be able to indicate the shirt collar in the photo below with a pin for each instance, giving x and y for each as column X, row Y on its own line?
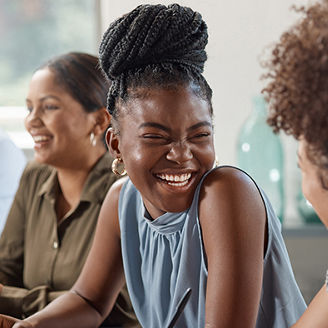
column 50, row 186
column 95, row 187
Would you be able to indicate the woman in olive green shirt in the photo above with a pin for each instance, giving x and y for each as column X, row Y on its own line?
column 51, row 223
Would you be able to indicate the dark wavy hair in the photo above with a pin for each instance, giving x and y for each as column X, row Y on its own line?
column 154, row 46
column 297, row 82
column 80, row 75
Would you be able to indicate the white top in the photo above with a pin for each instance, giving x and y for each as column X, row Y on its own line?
column 12, row 163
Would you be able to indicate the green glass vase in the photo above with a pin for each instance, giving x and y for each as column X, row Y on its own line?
column 260, row 154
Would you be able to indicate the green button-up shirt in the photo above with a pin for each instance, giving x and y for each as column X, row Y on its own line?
column 40, row 258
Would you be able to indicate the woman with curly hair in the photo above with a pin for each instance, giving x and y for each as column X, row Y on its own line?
column 199, row 246
column 297, row 92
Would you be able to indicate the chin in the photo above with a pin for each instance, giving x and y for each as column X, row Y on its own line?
column 324, row 219
column 41, row 159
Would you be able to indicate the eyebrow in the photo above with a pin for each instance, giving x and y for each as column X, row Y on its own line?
column 199, row 125
column 44, row 98
column 166, row 129
column 154, row 125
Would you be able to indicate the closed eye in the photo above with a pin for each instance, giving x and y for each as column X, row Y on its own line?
column 155, row 139
column 202, row 135
column 153, row 136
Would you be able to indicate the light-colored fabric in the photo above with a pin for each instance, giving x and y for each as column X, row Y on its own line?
column 164, row 257
column 40, row 259
column 281, row 300
column 12, row 163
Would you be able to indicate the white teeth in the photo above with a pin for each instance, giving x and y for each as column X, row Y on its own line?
column 182, row 178
column 40, row 138
column 178, row 184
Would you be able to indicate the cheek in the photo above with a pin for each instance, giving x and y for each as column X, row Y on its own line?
column 136, row 158
column 315, row 194
column 73, row 130
column 205, row 154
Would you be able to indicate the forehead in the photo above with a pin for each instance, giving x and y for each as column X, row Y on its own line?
column 43, row 76
column 44, row 81
column 166, row 106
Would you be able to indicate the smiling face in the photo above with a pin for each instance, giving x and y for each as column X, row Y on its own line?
column 57, row 122
column 312, row 186
column 166, row 142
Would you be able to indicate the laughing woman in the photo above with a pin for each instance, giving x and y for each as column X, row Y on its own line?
column 52, row 221
column 199, row 246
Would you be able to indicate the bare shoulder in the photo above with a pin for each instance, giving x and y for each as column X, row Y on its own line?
column 228, row 179
column 230, row 191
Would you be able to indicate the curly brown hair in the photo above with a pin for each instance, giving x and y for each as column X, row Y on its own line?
column 297, row 87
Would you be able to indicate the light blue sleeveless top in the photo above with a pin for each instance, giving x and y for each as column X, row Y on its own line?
column 162, row 258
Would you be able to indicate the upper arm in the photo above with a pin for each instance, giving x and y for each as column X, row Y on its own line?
column 102, row 276
column 233, row 221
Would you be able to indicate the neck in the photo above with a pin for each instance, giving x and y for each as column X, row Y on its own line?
column 71, row 181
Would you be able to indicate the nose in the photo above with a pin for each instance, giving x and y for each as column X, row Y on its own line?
column 180, row 152
column 33, row 118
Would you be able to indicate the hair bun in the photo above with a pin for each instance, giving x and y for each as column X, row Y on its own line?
column 153, row 34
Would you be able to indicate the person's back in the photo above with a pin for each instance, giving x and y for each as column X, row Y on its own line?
column 12, row 163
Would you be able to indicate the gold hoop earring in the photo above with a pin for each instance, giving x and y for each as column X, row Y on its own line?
column 118, row 167
column 93, row 140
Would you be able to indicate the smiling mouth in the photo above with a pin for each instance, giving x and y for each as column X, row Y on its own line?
column 177, row 180
column 38, row 139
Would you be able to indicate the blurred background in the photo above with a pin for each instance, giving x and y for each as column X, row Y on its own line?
column 240, row 35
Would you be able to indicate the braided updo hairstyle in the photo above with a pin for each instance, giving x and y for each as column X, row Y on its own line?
column 297, row 88
column 154, row 46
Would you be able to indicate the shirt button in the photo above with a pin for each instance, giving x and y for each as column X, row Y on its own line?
column 55, row 245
